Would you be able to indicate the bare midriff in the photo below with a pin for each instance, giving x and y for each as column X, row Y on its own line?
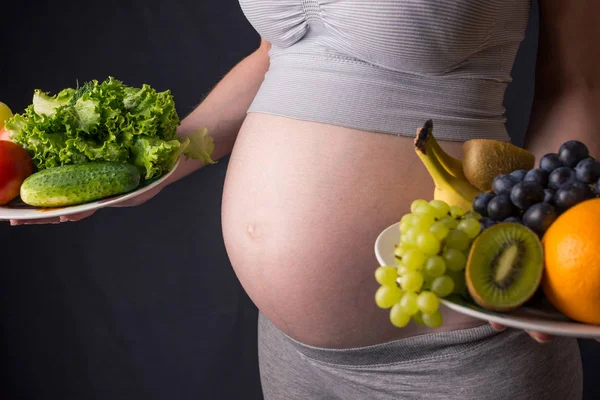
column 303, row 205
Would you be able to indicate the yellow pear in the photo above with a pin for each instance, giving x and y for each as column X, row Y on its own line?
column 5, row 113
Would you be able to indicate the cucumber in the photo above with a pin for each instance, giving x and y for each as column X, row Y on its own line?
column 70, row 185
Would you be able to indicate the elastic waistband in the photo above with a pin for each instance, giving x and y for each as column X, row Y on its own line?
column 354, row 94
column 414, row 348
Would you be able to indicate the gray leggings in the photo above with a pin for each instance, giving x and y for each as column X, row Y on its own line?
column 471, row 364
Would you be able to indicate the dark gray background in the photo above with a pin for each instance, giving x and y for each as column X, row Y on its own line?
column 142, row 303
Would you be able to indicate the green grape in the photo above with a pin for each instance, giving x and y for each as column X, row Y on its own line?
column 398, row 317
column 427, row 280
column 456, row 211
column 408, row 218
column 404, row 226
column 386, row 275
column 472, row 214
column 386, row 296
column 435, row 266
column 406, row 247
column 408, row 303
column 402, row 248
column 413, row 259
column 417, row 203
column 457, row 240
column 418, row 318
column 398, row 251
column 440, row 230
column 442, row 285
column 425, row 209
column 423, row 222
column 403, row 270
column 406, row 222
column 433, row 320
column 470, row 226
column 428, row 302
column 450, row 222
column 455, row 260
column 441, row 208
column 410, row 237
column 412, row 281
column 460, row 283
column 428, row 243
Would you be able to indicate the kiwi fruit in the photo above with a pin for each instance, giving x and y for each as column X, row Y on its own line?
column 484, row 159
column 505, row 266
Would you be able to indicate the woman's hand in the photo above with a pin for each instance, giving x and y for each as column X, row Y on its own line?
column 136, row 201
column 537, row 336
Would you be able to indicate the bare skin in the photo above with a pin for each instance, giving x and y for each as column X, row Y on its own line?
column 304, row 201
column 301, row 242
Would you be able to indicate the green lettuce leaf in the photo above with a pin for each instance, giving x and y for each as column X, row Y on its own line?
column 199, row 146
column 44, row 104
column 88, row 115
column 154, row 156
column 106, row 121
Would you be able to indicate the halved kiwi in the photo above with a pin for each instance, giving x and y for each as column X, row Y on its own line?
column 505, row 266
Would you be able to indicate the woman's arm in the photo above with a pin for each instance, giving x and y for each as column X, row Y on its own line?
column 224, row 109
column 567, row 85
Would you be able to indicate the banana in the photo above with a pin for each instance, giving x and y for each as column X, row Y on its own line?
column 451, row 185
column 453, row 166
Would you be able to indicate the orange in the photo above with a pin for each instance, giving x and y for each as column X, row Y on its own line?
column 571, row 279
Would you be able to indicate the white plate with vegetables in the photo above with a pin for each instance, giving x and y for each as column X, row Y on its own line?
column 90, row 147
column 540, row 316
column 122, row 179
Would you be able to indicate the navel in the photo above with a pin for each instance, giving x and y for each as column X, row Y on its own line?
column 253, row 231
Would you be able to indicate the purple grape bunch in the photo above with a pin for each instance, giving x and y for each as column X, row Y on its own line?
column 535, row 198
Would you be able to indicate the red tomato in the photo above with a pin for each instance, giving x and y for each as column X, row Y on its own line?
column 5, row 134
column 15, row 167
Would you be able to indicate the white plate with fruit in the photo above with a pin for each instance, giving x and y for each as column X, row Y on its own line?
column 511, row 244
column 90, row 147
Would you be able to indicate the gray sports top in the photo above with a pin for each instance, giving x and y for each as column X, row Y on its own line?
column 389, row 65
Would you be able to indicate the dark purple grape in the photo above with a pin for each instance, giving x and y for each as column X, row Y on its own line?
column 560, row 177
column 500, row 207
column 539, row 217
column 486, row 222
column 550, row 162
column 502, row 184
column 571, row 152
column 573, row 194
column 587, row 170
column 549, row 195
column 538, row 176
column 526, row 194
column 481, row 202
column 513, row 219
column 598, row 187
column 519, row 174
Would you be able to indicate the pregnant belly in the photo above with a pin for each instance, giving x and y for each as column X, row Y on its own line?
column 302, row 207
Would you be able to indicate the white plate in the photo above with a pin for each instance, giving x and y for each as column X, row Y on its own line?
column 21, row 211
column 541, row 318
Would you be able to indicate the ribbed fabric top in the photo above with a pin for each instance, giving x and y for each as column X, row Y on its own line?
column 389, row 65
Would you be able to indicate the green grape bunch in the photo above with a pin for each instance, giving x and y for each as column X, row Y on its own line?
column 431, row 256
